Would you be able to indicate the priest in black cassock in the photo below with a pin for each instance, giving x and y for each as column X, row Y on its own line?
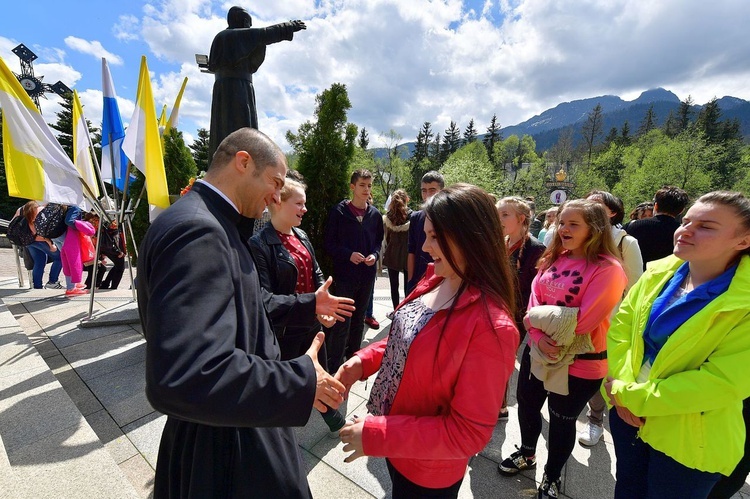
column 212, row 361
column 237, row 53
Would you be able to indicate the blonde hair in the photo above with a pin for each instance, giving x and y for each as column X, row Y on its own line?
column 521, row 207
column 600, row 241
column 292, row 183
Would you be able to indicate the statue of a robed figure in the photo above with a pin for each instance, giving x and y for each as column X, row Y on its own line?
column 236, row 53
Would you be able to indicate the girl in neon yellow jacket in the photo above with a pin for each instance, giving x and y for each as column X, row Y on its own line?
column 679, row 358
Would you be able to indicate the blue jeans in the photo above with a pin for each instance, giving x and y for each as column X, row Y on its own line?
column 39, row 251
column 644, row 472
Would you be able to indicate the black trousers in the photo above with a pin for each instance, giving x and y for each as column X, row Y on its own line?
column 563, row 413
column 393, row 279
column 344, row 338
column 730, row 485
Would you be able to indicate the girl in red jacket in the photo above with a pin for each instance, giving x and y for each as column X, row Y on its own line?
column 451, row 338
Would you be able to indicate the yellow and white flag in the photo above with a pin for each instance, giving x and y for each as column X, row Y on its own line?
column 175, row 114
column 142, row 144
column 36, row 165
column 81, row 147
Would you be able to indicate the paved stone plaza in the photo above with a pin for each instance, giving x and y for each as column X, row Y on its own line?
column 75, row 422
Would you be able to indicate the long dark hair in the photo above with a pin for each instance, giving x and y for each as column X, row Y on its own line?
column 464, row 217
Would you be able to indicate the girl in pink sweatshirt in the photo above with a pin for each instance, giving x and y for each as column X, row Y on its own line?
column 579, row 269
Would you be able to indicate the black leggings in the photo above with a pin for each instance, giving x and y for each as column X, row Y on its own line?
column 393, row 278
column 563, row 413
column 403, row 488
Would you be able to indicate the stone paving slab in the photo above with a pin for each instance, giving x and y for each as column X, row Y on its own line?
column 123, row 393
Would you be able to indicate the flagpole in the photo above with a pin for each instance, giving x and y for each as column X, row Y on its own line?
column 112, row 166
column 125, row 193
column 96, row 267
column 97, row 170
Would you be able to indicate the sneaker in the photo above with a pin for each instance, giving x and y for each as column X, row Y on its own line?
column 53, row 285
column 515, row 463
column 591, row 435
column 390, row 315
column 76, row 292
column 549, row 490
column 80, row 285
column 372, row 323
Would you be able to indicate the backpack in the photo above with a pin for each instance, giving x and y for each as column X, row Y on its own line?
column 19, row 232
column 50, row 221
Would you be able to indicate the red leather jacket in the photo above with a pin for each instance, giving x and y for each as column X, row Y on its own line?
column 452, row 388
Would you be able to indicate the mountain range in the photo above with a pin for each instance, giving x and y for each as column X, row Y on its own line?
column 546, row 127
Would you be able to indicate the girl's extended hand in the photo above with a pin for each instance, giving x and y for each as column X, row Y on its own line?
column 351, row 435
column 349, row 373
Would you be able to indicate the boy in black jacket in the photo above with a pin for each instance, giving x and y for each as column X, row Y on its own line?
column 353, row 236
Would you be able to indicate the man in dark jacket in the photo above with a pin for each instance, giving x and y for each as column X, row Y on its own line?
column 655, row 235
column 212, row 360
column 417, row 259
column 353, row 236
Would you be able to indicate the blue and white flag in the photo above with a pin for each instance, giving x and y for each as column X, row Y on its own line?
column 112, row 131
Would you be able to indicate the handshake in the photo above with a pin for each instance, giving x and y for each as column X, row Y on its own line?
column 331, row 391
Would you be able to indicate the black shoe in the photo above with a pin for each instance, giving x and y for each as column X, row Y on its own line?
column 548, row 489
column 515, row 463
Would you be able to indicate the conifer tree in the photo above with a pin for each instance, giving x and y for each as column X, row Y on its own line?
column 592, row 130
column 470, row 134
column 364, row 140
column 200, row 150
column 492, row 137
column 648, row 123
column 325, row 148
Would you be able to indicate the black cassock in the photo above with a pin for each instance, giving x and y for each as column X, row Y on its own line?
column 212, row 359
column 237, row 53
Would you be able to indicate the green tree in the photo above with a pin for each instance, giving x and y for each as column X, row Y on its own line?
column 470, row 134
column 492, row 137
column 179, row 164
column 325, row 148
column 64, row 128
column 657, row 160
column 436, row 157
column 685, row 112
column 364, row 139
column 64, row 124
column 563, row 151
column 592, row 130
column 648, row 123
column 611, row 137
column 451, row 141
column 471, row 164
column 200, row 150
column 179, row 168
column 391, row 172
column 709, row 122
column 608, row 165
column 625, row 138
column 419, row 163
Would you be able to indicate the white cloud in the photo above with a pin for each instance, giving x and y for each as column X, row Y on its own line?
column 93, row 48
column 127, row 28
column 406, row 62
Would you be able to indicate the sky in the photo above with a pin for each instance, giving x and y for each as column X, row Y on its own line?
column 403, row 62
